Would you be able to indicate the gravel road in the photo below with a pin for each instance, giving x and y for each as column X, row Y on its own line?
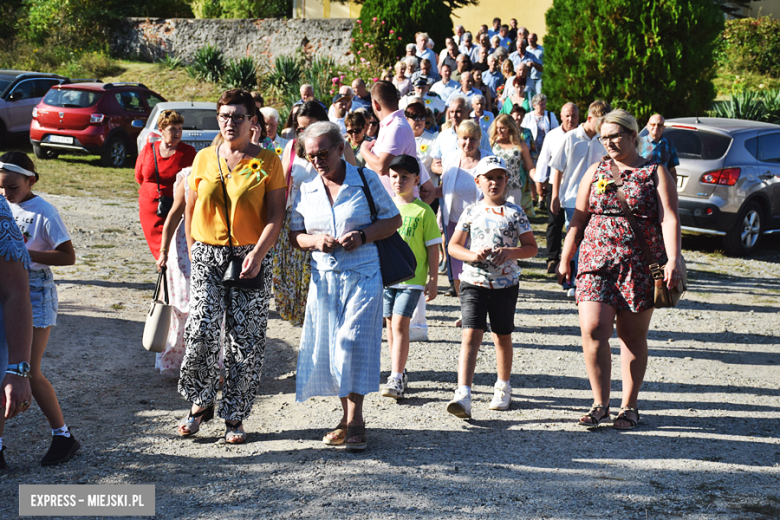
column 708, row 445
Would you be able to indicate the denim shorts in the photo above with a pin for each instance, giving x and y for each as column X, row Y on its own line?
column 400, row 301
column 478, row 302
column 43, row 296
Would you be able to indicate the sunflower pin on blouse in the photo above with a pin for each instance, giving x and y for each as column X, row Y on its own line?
column 423, row 148
column 602, row 185
column 278, row 151
column 255, row 167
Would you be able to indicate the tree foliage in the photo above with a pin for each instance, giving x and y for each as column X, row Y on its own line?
column 645, row 57
column 407, row 17
column 241, row 8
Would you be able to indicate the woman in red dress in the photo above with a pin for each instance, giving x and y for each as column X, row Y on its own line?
column 172, row 156
column 614, row 284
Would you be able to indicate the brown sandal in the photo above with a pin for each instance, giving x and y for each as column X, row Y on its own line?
column 623, row 416
column 337, row 436
column 360, row 433
column 594, row 419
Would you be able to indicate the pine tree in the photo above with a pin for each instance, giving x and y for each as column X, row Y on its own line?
column 645, row 57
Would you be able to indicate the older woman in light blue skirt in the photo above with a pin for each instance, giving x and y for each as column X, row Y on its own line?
column 341, row 342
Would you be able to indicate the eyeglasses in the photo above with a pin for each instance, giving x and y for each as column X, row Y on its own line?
column 321, row 155
column 604, row 139
column 237, row 118
column 417, row 118
column 355, row 130
column 372, row 123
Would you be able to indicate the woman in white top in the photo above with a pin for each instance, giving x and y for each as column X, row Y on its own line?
column 292, row 267
column 458, row 189
column 401, row 82
column 539, row 121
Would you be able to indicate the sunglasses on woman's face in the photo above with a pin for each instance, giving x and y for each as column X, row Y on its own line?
column 355, row 131
column 417, row 118
column 237, row 118
column 322, row 155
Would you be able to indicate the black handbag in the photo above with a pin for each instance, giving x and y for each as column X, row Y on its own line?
column 396, row 259
column 164, row 204
column 232, row 276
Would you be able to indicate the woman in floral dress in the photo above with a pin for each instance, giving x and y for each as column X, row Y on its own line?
column 507, row 144
column 614, row 283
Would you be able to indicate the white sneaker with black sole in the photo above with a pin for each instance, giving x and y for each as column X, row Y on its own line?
column 460, row 406
column 394, row 388
column 502, row 396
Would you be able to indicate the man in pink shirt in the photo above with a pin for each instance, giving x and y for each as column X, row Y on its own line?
column 395, row 137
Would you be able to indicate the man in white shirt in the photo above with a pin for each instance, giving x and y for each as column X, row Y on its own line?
column 459, row 32
column 581, row 148
column 423, row 52
column 466, row 88
column 468, row 48
column 570, row 116
column 446, row 86
column 340, row 107
column 429, row 99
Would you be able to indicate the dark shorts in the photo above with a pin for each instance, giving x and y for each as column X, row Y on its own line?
column 477, row 303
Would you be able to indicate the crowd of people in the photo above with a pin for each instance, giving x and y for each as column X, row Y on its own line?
column 453, row 151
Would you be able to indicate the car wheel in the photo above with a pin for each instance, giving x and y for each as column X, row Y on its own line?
column 743, row 239
column 44, row 153
column 115, row 153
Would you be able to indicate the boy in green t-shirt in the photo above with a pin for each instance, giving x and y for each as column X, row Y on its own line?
column 421, row 231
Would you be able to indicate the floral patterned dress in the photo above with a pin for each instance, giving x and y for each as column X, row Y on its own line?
column 612, row 268
column 518, row 177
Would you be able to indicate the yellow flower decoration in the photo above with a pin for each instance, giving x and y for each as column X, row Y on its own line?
column 256, row 167
column 603, row 183
column 423, row 148
column 427, row 101
column 486, row 118
column 279, row 151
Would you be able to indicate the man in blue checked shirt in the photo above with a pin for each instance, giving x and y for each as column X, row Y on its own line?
column 658, row 148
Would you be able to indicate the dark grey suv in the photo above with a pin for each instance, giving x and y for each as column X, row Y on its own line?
column 20, row 91
column 728, row 180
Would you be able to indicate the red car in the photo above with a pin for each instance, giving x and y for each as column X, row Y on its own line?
column 94, row 118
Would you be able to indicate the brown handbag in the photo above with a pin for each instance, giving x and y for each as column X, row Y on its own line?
column 664, row 296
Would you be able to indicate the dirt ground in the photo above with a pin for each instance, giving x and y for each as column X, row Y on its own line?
column 708, row 445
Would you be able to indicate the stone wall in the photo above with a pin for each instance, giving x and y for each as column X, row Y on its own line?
column 263, row 40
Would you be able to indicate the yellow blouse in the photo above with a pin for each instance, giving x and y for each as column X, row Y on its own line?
column 246, row 186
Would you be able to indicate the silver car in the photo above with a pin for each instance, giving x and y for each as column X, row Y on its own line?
column 728, row 180
column 199, row 128
column 20, row 91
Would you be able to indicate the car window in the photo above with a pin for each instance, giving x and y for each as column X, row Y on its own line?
column 199, row 119
column 42, row 86
column 152, row 99
column 751, row 145
column 769, row 148
column 130, row 101
column 4, row 84
column 72, row 98
column 24, row 90
column 697, row 144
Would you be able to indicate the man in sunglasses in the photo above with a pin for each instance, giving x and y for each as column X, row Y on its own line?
column 431, row 100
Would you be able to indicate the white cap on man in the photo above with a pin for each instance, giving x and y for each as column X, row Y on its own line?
column 490, row 163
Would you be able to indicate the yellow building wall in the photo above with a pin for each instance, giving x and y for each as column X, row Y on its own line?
column 528, row 14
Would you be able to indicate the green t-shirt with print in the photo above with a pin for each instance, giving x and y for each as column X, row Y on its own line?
column 419, row 230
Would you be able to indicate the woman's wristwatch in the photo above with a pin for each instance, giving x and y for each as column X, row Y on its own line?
column 19, row 369
column 362, row 235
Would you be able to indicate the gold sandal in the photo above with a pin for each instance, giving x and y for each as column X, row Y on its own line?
column 337, row 436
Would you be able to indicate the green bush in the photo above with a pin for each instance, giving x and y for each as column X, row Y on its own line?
column 642, row 57
column 240, row 74
column 242, row 8
column 207, row 64
column 752, row 105
column 750, row 45
column 170, row 62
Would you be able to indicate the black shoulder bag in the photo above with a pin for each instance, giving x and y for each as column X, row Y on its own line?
column 232, row 277
column 396, row 259
column 164, row 204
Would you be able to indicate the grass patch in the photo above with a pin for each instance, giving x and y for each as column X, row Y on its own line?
column 117, row 306
column 727, row 82
column 172, row 84
column 103, row 246
column 113, row 230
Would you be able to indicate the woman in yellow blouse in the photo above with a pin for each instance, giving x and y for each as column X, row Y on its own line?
column 248, row 223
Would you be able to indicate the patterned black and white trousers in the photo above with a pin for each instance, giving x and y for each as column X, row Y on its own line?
column 245, row 313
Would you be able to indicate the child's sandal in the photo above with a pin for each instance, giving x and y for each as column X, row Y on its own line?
column 623, row 416
column 595, row 420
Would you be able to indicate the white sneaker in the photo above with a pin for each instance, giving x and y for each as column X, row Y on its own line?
column 394, row 388
column 502, row 396
column 571, row 293
column 460, row 406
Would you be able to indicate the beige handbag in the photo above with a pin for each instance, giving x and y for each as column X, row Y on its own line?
column 158, row 320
